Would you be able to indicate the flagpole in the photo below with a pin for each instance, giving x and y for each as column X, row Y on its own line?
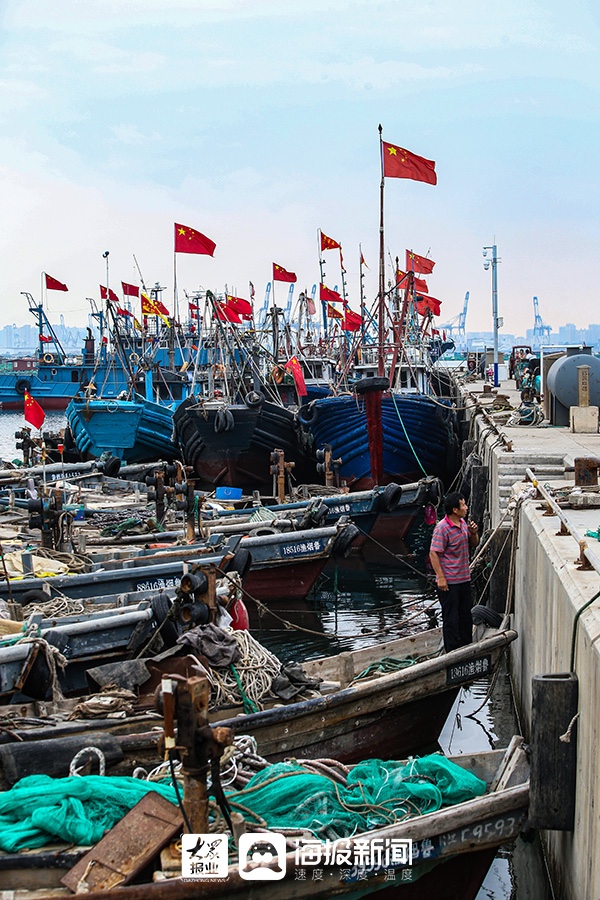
column 175, row 301
column 322, row 281
column 105, row 257
column 362, row 290
column 380, row 367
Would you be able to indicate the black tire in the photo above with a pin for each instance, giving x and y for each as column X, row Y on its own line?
column 23, row 385
column 307, row 415
column 254, row 399
column 219, row 425
column 241, row 562
column 262, row 531
column 112, row 466
column 344, row 540
column 36, row 595
column 229, row 420
column 389, row 499
column 483, row 615
column 365, row 385
column 161, row 607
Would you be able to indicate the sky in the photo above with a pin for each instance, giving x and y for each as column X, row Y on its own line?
column 256, row 123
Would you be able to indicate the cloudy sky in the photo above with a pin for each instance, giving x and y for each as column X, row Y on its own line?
column 255, row 122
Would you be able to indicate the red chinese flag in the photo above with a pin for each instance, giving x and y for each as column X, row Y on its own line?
column 421, row 285
column 428, row 304
column 400, row 163
column 122, row 312
column 334, row 313
column 194, row 307
column 45, row 339
column 111, row 294
column 330, row 296
column 296, row 369
column 310, row 305
column 188, row 240
column 352, row 321
column 420, row 264
column 226, row 314
column 53, row 285
column 328, row 243
column 240, row 306
column 33, row 412
column 281, row 274
column 130, row 290
column 362, row 260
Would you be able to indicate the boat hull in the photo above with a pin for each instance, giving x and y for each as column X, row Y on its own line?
column 241, row 456
column 135, row 431
column 419, row 435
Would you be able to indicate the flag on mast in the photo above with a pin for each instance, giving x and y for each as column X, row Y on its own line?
column 52, row 284
column 401, row 163
column 33, row 412
column 188, row 240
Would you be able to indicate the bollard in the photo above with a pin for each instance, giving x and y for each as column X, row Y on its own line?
column 553, row 751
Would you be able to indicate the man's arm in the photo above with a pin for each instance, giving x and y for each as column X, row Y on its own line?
column 437, row 568
column 473, row 533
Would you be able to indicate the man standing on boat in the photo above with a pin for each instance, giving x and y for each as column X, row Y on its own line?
column 449, row 555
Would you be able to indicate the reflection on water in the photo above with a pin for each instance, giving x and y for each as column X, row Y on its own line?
column 351, row 607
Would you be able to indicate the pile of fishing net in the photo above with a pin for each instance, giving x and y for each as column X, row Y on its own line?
column 40, row 809
column 287, row 797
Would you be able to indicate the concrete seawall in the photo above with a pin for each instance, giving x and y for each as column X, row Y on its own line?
column 550, row 588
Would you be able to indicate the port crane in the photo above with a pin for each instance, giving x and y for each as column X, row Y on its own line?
column 456, row 327
column 541, row 331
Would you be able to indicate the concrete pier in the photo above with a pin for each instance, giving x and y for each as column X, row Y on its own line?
column 553, row 581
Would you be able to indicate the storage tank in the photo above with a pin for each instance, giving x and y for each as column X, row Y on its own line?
column 563, row 383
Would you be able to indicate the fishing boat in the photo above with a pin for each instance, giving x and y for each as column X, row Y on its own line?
column 133, row 430
column 389, row 699
column 279, row 565
column 121, row 359
column 416, row 848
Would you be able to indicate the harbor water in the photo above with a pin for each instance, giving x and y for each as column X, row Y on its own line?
column 376, row 597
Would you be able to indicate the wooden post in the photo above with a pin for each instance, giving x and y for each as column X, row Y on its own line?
column 553, row 751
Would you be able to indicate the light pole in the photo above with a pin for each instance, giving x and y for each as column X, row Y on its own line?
column 496, row 321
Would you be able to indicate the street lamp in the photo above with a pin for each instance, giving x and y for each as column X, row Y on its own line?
column 496, row 321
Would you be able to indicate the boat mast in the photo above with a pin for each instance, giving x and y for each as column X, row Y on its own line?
column 381, row 296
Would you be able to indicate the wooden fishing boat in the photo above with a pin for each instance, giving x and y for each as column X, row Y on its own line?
column 378, row 714
column 367, row 705
column 282, row 565
column 443, row 854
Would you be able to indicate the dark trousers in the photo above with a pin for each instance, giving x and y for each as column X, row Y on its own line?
column 457, row 625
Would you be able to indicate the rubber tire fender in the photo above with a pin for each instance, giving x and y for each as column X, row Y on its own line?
column 241, row 562
column 254, row 399
column 344, row 540
column 22, row 385
column 229, row 420
column 483, row 615
column 307, row 414
column 35, row 595
column 376, row 383
column 161, row 607
column 220, row 421
column 389, row 499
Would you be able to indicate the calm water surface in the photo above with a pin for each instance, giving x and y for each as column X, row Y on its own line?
column 359, row 602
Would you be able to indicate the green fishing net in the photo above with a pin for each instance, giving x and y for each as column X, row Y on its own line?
column 40, row 809
column 376, row 793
